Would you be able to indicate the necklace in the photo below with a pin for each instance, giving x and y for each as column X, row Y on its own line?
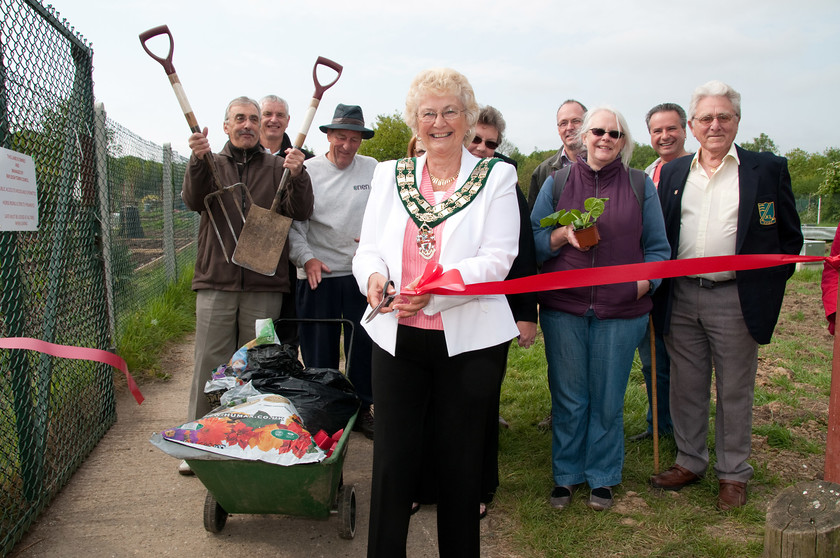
column 443, row 181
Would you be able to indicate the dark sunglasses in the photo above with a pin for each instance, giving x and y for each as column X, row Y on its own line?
column 614, row 134
column 490, row 144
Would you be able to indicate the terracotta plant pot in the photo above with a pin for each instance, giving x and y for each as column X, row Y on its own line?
column 588, row 237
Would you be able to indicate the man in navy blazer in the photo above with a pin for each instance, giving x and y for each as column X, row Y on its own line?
column 721, row 201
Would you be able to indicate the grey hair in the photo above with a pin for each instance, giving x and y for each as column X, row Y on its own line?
column 714, row 88
column 626, row 151
column 567, row 101
column 490, row 116
column 274, row 99
column 441, row 81
column 666, row 107
column 242, row 101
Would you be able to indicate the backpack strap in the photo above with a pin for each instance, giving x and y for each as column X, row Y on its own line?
column 637, row 182
column 638, row 186
column 560, row 177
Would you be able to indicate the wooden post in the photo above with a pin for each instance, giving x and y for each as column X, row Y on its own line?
column 804, row 522
column 654, row 404
column 832, row 444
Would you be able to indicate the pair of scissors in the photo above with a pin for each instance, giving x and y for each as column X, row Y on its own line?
column 386, row 300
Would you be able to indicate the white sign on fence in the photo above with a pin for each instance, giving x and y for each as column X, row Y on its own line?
column 18, row 192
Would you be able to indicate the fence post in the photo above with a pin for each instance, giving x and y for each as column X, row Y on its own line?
column 100, row 140
column 168, row 224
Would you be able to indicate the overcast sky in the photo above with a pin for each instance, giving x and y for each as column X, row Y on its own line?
column 523, row 57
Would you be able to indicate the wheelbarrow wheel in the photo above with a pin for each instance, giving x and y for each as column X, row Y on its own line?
column 347, row 511
column 215, row 515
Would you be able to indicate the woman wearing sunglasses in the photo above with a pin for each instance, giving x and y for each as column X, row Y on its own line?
column 591, row 333
column 437, row 360
column 489, row 132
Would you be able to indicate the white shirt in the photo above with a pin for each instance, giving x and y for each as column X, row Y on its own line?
column 709, row 218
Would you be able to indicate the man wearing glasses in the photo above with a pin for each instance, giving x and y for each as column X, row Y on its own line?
column 721, row 201
column 569, row 118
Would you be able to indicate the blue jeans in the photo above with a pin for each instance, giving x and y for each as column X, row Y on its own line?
column 663, row 383
column 589, row 363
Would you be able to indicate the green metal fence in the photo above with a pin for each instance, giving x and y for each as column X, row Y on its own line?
column 111, row 234
column 152, row 234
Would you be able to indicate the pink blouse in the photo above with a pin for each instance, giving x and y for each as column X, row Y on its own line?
column 413, row 264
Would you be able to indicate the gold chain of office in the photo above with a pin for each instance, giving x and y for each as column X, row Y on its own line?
column 427, row 216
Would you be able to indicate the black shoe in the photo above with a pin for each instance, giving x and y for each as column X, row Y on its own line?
column 646, row 435
column 365, row 422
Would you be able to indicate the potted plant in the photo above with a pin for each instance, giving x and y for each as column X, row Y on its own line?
column 583, row 222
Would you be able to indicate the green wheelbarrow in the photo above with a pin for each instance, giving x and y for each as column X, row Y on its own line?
column 315, row 490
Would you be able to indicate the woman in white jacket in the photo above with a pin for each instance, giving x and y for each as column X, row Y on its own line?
column 437, row 359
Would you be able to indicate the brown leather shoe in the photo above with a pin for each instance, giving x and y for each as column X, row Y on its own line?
column 732, row 494
column 674, row 478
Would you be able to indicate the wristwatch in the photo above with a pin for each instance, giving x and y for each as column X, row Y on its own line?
column 651, row 286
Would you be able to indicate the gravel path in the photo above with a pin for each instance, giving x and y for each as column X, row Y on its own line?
column 127, row 498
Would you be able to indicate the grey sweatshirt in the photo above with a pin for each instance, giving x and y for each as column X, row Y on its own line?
column 340, row 198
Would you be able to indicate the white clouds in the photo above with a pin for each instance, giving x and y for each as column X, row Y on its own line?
column 523, row 57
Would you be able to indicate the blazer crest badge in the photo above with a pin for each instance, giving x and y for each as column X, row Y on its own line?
column 767, row 213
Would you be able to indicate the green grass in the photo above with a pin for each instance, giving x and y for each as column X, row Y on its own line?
column 646, row 522
column 165, row 318
column 778, row 436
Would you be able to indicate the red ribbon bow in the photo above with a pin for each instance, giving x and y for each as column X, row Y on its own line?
column 435, row 278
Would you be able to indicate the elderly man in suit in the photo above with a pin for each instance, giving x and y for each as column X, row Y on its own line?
column 721, row 201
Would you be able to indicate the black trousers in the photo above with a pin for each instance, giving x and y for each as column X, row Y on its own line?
column 335, row 297
column 458, row 392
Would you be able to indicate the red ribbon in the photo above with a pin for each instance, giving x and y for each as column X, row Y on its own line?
column 77, row 353
column 435, row 281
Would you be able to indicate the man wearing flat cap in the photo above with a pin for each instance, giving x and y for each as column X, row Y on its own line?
column 322, row 248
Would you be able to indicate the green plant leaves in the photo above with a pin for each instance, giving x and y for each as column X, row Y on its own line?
column 594, row 208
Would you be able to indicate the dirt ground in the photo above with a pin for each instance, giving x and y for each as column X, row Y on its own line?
column 127, row 499
column 801, row 319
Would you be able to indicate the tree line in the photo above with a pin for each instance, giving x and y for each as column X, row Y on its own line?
column 814, row 176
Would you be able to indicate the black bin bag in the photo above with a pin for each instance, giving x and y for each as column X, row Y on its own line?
column 324, row 398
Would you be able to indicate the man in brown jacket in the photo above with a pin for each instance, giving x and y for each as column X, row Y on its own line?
column 231, row 298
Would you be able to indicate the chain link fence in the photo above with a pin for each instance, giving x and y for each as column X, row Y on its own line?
column 823, row 210
column 152, row 234
column 111, row 235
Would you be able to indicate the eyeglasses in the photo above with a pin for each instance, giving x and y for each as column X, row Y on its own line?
column 490, row 144
column 614, row 134
column 722, row 118
column 428, row 116
column 567, row 123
